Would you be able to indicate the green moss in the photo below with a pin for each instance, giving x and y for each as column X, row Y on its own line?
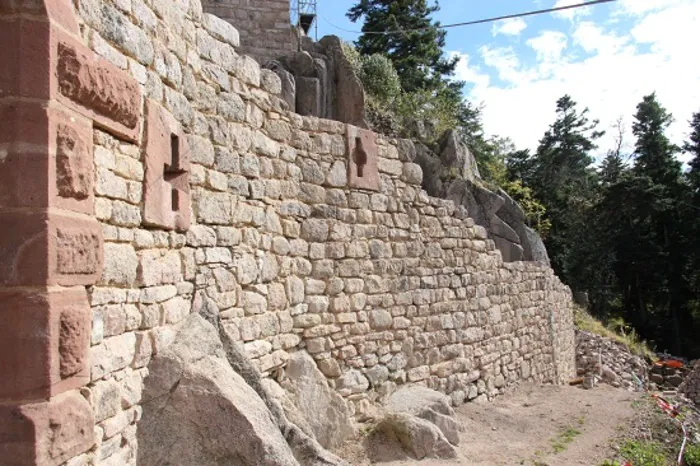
column 562, row 441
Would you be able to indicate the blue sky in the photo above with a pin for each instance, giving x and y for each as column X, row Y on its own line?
column 606, row 56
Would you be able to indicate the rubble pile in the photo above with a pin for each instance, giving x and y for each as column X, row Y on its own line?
column 668, row 374
column 691, row 385
column 600, row 359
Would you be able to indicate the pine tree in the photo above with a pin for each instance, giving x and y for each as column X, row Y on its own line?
column 563, row 180
column 692, row 147
column 417, row 54
column 650, row 242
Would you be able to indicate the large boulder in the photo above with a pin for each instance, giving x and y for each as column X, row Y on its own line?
column 455, row 154
column 538, row 251
column 323, row 409
column 198, row 411
column 349, row 93
column 420, row 438
column 428, row 405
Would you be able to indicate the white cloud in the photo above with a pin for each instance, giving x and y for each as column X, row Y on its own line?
column 607, row 70
column 549, row 45
column 572, row 13
column 509, row 27
column 468, row 73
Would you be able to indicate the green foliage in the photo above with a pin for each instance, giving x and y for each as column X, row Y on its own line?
column 629, row 339
column 379, row 78
column 417, row 55
column 644, row 453
column 353, row 56
column 692, row 455
column 562, row 441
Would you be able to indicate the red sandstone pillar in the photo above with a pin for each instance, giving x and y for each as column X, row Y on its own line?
column 50, row 241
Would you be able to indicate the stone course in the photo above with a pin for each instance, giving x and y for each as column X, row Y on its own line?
column 264, row 26
column 381, row 287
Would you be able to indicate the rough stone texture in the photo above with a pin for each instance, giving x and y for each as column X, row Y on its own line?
column 288, row 90
column 98, row 87
column 420, row 438
column 381, row 287
column 426, row 404
column 610, row 362
column 453, row 174
column 264, row 26
column 47, row 433
column 74, row 166
column 691, row 385
column 219, row 417
column 323, row 409
column 454, row 153
column 166, row 188
column 363, row 171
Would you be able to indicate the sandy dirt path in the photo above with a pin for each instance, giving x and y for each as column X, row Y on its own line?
column 537, row 426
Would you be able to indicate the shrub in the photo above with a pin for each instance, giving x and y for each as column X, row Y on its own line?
column 380, row 79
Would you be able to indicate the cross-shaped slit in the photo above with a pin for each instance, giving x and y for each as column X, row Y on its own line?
column 172, row 173
column 359, row 157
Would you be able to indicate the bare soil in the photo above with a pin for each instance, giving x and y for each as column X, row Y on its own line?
column 533, row 425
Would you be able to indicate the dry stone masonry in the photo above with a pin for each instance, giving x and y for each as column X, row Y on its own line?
column 169, row 179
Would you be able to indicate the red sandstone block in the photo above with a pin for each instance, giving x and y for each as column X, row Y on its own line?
column 75, row 250
column 71, row 172
column 25, row 58
column 166, row 186
column 59, row 12
column 40, row 249
column 47, row 433
column 363, row 170
column 44, row 343
column 90, row 85
column 23, row 248
column 55, row 148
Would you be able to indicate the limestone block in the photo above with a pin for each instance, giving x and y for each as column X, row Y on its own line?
column 220, row 29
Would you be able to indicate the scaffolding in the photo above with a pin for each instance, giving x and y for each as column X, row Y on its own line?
column 304, row 16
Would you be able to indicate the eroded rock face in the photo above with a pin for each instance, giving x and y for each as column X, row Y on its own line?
column 429, row 405
column 320, row 81
column 322, row 408
column 199, row 411
column 420, row 438
column 450, row 171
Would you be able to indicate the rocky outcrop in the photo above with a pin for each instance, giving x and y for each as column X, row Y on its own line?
column 320, row 81
column 450, row 171
column 198, row 410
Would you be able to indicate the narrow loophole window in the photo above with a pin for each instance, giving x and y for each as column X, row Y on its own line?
column 175, row 199
column 174, row 151
column 359, row 157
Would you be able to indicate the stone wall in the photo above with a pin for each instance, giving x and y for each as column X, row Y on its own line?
column 201, row 194
column 264, row 25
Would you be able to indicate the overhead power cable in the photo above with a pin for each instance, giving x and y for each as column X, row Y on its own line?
column 478, row 21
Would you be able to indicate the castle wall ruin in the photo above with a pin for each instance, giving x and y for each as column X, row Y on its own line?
column 264, row 25
column 150, row 171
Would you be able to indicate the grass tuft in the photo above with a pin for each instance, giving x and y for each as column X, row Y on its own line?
column 619, row 333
